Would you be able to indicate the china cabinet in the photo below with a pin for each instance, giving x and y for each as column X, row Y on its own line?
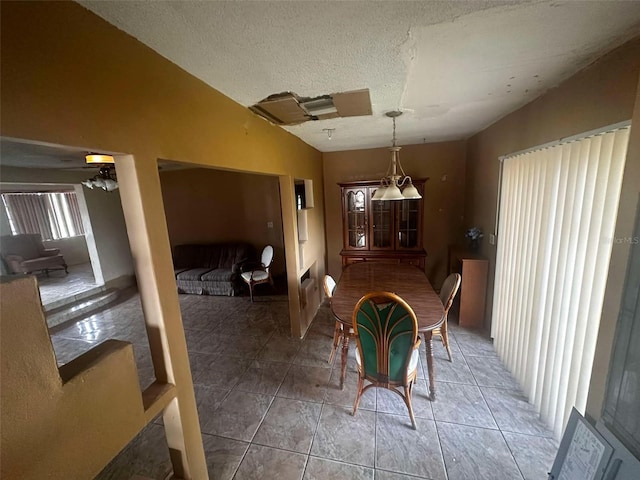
column 381, row 231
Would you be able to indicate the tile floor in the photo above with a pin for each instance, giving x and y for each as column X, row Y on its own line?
column 58, row 286
column 270, row 406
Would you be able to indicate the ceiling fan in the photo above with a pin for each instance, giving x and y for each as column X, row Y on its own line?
column 106, row 177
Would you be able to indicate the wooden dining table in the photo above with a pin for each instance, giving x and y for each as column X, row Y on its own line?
column 405, row 280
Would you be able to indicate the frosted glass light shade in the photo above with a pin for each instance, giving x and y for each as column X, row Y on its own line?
column 392, row 193
column 410, row 192
column 110, row 185
column 380, row 191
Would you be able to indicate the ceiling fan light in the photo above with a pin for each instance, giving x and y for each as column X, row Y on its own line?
column 88, row 183
column 110, row 185
column 410, row 192
column 99, row 158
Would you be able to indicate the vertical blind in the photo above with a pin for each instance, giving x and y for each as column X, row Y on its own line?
column 557, row 215
column 52, row 215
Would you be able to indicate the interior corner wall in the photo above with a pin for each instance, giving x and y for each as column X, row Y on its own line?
column 602, row 94
column 444, row 165
column 207, row 206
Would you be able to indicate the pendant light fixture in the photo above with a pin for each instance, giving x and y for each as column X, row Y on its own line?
column 395, row 178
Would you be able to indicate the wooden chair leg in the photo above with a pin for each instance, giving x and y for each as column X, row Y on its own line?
column 445, row 338
column 337, row 336
column 345, row 354
column 359, row 395
column 407, row 400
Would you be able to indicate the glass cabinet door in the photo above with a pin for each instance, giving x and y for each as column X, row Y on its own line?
column 356, row 218
column 408, row 221
column 382, row 225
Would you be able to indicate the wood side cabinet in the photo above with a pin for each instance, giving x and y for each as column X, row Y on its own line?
column 381, row 231
column 473, row 269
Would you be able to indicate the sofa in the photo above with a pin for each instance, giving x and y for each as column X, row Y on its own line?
column 25, row 253
column 211, row 269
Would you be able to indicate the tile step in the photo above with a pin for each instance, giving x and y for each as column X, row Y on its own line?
column 81, row 307
column 62, row 302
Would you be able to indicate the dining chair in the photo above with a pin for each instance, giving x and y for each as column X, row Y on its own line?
column 329, row 285
column 447, row 295
column 260, row 273
column 386, row 332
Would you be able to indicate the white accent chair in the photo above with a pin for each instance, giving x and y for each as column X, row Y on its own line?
column 260, row 273
column 329, row 285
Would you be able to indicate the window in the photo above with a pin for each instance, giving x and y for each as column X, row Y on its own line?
column 52, row 215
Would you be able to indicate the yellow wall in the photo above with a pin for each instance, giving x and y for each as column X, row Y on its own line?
column 443, row 199
column 80, row 416
column 70, row 78
column 206, row 205
column 600, row 95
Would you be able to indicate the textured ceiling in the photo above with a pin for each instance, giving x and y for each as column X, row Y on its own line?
column 453, row 67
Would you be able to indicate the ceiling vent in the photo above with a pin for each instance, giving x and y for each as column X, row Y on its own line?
column 290, row 109
column 319, row 106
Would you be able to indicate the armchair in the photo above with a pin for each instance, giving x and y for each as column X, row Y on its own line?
column 25, row 253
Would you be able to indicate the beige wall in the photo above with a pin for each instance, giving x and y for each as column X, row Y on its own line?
column 601, row 95
column 206, row 205
column 95, row 87
column 442, row 163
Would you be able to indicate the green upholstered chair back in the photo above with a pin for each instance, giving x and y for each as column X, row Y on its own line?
column 386, row 330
